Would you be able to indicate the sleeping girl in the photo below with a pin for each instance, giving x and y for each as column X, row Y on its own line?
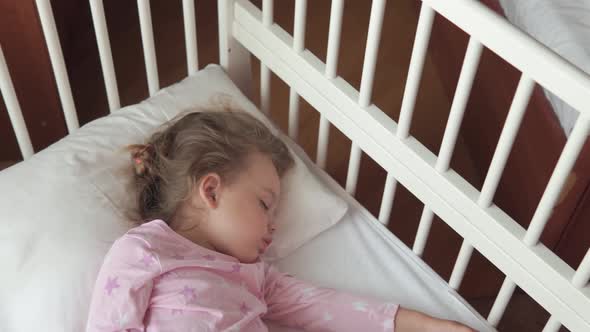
column 208, row 185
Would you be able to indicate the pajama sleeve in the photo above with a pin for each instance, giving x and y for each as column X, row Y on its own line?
column 123, row 287
column 297, row 304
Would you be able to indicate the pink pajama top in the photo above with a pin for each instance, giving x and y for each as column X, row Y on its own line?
column 154, row 279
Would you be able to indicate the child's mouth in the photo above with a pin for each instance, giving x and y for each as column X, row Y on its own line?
column 265, row 244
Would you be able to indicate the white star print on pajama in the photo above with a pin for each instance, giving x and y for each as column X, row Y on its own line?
column 153, row 279
column 360, row 306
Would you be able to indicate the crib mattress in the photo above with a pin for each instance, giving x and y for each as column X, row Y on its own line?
column 561, row 26
column 360, row 255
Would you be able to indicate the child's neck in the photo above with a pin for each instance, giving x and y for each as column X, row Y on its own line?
column 197, row 238
column 190, row 230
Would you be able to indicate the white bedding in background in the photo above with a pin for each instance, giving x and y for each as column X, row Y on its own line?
column 563, row 26
column 359, row 255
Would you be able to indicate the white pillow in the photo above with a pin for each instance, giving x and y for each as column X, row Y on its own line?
column 61, row 210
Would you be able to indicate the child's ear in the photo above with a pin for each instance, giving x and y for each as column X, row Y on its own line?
column 209, row 189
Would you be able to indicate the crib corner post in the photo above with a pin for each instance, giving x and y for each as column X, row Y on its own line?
column 233, row 57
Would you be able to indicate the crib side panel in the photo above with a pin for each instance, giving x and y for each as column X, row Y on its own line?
column 486, row 228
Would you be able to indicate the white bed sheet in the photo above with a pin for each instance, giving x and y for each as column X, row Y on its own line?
column 564, row 27
column 360, row 255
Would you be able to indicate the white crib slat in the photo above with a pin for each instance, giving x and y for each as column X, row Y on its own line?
column 367, row 79
column 353, row 169
column 267, row 12
column 104, row 51
column 564, row 166
column 265, row 74
column 14, row 111
column 580, row 280
column 265, row 89
column 371, row 51
column 225, row 18
column 461, row 265
column 387, row 200
column 298, row 46
column 323, row 137
column 468, row 70
column 149, row 51
column 552, row 325
column 506, row 141
column 419, row 49
column 415, row 70
column 472, row 56
column 299, row 25
column 293, row 115
column 58, row 64
column 582, row 275
column 423, row 231
column 501, row 302
column 335, row 29
column 323, row 140
column 190, row 36
column 499, row 159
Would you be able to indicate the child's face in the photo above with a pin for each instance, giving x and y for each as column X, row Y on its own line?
column 241, row 214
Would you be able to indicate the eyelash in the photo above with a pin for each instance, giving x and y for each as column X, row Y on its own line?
column 264, row 206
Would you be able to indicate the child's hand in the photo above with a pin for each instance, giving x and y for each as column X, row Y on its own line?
column 409, row 321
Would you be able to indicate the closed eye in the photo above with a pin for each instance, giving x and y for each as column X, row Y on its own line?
column 264, row 205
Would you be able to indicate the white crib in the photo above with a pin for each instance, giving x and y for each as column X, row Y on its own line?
column 244, row 29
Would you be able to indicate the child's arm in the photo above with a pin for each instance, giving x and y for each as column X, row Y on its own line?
column 294, row 303
column 123, row 287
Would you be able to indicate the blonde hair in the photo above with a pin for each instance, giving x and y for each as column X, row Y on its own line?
column 176, row 157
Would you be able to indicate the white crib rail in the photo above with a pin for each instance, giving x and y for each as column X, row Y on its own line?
column 528, row 264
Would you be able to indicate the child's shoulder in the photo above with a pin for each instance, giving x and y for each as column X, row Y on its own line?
column 155, row 237
column 154, row 226
column 149, row 233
